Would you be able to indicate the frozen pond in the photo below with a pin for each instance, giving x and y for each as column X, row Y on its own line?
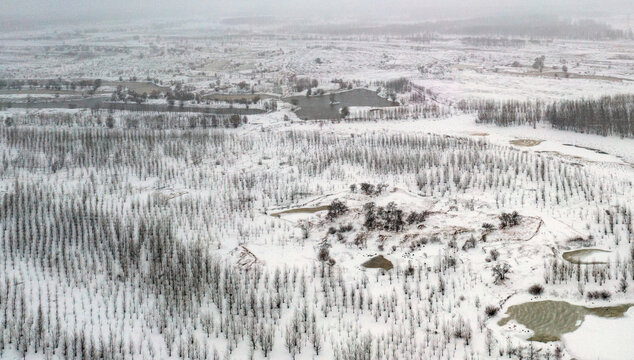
column 303, row 210
column 587, row 256
column 550, row 319
column 320, row 108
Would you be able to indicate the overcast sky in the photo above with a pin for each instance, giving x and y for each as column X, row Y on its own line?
column 30, row 10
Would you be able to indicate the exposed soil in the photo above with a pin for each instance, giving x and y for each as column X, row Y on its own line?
column 526, row 142
column 378, row 262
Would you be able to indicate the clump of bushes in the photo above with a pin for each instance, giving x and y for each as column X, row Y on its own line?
column 370, row 189
column 536, row 289
column 493, row 255
column 361, row 240
column 345, row 228
column 416, row 217
column 488, row 226
column 389, row 218
column 509, row 220
column 324, row 255
column 336, row 209
column 469, row 244
column 491, row 310
column 599, row 294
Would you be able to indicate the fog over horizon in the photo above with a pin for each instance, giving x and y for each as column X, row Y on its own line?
column 34, row 11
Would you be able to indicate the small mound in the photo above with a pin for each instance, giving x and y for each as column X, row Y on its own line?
column 378, row 262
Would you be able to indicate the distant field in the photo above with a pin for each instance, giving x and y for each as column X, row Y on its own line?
column 41, row 91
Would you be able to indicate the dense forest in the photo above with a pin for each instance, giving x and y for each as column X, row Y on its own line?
column 608, row 115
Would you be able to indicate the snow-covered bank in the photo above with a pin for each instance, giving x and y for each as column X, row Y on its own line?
column 603, row 338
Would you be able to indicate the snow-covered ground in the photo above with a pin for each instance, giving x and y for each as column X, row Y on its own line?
column 600, row 338
column 148, row 235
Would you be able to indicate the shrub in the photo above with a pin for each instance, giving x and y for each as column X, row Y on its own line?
column 491, row 310
column 509, row 219
column 488, row 226
column 324, row 254
column 409, row 271
column 623, row 284
column 361, row 239
column 500, row 271
column 416, row 217
column 599, row 294
column 469, row 244
column 336, row 209
column 536, row 289
column 392, row 218
column 345, row 228
column 367, row 189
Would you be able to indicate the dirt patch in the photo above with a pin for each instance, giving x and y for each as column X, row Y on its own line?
column 479, row 134
column 526, row 142
column 378, row 262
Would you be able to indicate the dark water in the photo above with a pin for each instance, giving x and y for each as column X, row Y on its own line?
column 319, row 107
column 102, row 103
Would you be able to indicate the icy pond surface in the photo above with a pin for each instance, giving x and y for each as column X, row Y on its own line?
column 587, row 256
column 302, row 210
column 319, row 107
column 550, row 319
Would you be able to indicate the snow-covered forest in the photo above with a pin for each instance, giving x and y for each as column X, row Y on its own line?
column 279, row 187
column 118, row 243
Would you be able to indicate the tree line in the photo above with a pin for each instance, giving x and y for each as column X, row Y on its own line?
column 607, row 115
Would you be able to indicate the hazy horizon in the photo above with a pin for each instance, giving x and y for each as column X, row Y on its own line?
column 66, row 11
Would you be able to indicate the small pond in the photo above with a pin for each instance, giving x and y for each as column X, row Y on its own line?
column 550, row 319
column 303, row 210
column 320, row 108
column 586, row 256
